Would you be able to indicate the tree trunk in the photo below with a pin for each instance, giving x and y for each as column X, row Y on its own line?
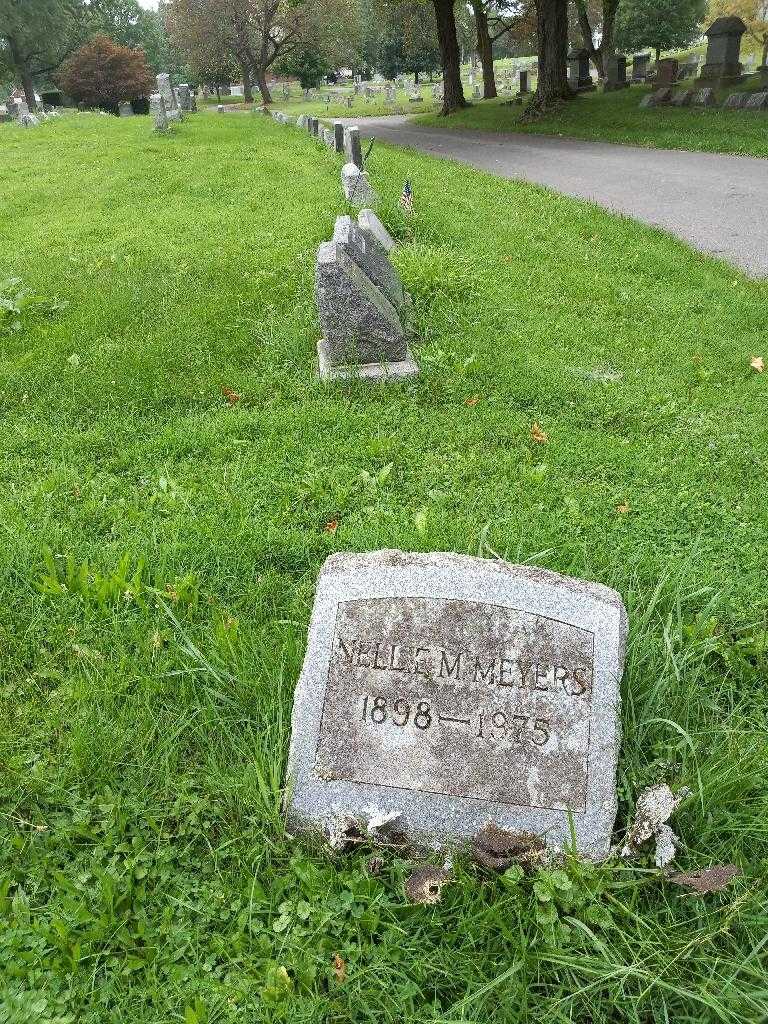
column 765, row 49
column 485, row 49
column 453, row 91
column 598, row 54
column 552, row 33
column 261, row 81
column 247, row 86
column 415, row 77
column 658, row 54
column 22, row 66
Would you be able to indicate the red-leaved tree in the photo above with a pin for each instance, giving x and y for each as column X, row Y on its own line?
column 101, row 73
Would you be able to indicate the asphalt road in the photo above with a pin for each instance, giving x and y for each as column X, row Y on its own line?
column 715, row 202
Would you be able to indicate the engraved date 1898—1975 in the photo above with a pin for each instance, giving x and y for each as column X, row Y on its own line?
column 493, row 724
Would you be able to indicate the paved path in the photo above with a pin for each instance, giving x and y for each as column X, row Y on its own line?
column 715, row 202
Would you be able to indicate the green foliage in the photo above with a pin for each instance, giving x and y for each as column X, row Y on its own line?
column 20, row 307
column 145, row 872
column 658, row 24
column 308, row 64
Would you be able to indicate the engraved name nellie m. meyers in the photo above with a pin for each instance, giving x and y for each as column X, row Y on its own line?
column 461, row 698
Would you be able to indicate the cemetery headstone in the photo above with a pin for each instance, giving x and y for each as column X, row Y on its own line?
column 374, row 230
column 185, row 98
column 657, row 98
column 704, row 98
column 666, row 71
column 447, row 694
column 338, row 136
column 5, row 114
column 159, row 113
column 362, row 333
column 220, row 108
column 579, row 77
column 640, row 64
column 757, row 101
column 357, row 188
column 349, row 100
column 28, row 120
column 723, row 49
column 166, row 90
column 372, row 259
column 353, row 147
column 616, row 73
column 736, row 101
column 476, row 91
column 682, row 98
column 125, row 109
column 523, row 83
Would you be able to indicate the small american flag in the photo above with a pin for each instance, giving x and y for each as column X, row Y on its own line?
column 406, row 199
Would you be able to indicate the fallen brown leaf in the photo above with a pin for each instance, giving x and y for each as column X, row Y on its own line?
column 339, row 968
column 707, row 879
column 332, row 527
column 497, row 849
column 757, row 363
column 623, row 508
column 472, row 401
column 537, row 434
column 231, row 396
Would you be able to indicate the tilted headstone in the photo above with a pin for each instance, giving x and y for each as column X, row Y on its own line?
column 723, row 49
column 301, row 121
column 704, row 98
column 362, row 332
column 374, row 262
column 682, row 98
column 757, row 101
column 374, row 230
column 640, row 64
column 657, row 98
column 158, row 112
column 357, row 188
column 736, row 101
column 352, row 146
column 185, row 98
column 445, row 693
column 28, row 120
column 125, row 109
column 666, row 71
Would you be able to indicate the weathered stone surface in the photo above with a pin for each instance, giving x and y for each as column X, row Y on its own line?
column 352, row 146
column 736, row 101
column 757, row 101
column 166, row 90
column 359, row 323
column 445, row 693
column 640, row 64
column 125, row 109
column 723, row 46
column 185, row 98
column 357, row 187
column 29, row 120
column 657, row 98
column 301, row 121
column 667, row 71
column 682, row 98
column 704, row 98
column 372, row 228
column 158, row 112
column 371, row 258
column 5, row 114
column 338, row 136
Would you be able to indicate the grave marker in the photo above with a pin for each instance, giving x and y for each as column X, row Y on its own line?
column 357, row 187
column 159, row 113
column 352, row 146
column 450, row 692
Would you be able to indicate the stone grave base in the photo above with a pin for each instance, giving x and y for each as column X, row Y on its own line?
column 407, row 367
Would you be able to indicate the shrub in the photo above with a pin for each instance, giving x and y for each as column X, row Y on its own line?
column 101, row 73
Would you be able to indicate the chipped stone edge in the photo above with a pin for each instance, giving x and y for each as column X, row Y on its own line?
column 315, row 805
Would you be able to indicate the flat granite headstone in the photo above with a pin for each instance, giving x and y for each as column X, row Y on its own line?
column 357, row 187
column 682, row 98
column 736, row 101
column 448, row 692
column 657, row 98
column 704, row 98
column 125, row 109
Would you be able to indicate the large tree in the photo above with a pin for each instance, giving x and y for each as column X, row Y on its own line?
column 659, row 24
column 552, row 37
column 754, row 14
column 36, row 36
column 493, row 20
column 606, row 25
column 450, row 58
column 101, row 73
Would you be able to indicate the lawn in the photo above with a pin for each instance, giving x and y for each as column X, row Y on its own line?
column 617, row 117
column 163, row 536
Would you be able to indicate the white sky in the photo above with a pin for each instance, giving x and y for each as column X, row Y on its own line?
column 151, row 5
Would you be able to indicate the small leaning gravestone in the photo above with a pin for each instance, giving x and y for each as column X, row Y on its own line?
column 441, row 693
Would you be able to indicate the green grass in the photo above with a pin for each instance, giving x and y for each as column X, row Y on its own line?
column 617, row 117
column 161, row 548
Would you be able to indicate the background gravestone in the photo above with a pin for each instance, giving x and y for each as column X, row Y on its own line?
column 723, row 49
column 450, row 692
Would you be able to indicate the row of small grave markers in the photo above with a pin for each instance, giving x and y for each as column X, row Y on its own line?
column 18, row 110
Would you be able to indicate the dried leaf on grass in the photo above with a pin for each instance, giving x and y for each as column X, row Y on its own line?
column 231, row 396
column 497, row 849
column 757, row 363
column 339, row 968
column 538, row 435
column 712, row 879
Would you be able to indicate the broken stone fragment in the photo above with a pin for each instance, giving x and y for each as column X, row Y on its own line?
column 654, row 807
column 496, row 849
column 425, row 884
